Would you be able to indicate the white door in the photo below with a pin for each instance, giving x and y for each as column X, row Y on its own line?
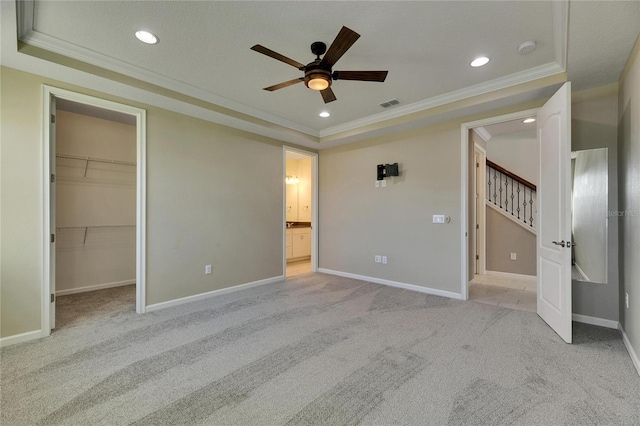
column 52, row 213
column 554, row 213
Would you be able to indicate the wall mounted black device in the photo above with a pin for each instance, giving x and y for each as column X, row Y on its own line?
column 385, row 170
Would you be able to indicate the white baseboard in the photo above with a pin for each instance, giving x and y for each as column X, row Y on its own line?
column 195, row 297
column 19, row 338
column 413, row 287
column 632, row 353
column 94, row 287
column 600, row 322
column 512, row 275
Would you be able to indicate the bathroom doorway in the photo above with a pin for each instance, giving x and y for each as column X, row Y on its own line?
column 300, row 211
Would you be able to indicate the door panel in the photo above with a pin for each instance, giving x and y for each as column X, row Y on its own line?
column 554, row 226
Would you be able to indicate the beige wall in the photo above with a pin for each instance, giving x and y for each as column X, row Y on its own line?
column 629, row 193
column 504, row 237
column 358, row 220
column 214, row 196
column 21, row 208
column 516, row 152
column 106, row 196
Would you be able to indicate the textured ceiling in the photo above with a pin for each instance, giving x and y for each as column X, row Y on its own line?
column 204, row 49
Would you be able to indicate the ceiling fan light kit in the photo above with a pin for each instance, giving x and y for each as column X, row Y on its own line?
column 318, row 75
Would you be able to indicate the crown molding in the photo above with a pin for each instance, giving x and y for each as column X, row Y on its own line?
column 25, row 10
column 27, row 34
column 561, row 32
column 482, row 132
column 532, row 74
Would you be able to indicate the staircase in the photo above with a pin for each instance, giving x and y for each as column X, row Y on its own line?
column 511, row 195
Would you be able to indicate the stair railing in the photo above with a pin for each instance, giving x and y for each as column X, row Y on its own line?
column 511, row 193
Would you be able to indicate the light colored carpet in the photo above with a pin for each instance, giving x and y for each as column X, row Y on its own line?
column 318, row 349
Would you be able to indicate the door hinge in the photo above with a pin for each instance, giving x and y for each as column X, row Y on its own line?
column 53, row 178
column 477, row 257
column 477, row 164
column 53, row 297
column 477, row 226
column 53, row 119
column 53, row 238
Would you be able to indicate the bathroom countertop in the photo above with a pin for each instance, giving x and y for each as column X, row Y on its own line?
column 299, row 225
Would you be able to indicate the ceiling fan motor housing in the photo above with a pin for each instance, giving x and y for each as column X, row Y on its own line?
column 314, row 70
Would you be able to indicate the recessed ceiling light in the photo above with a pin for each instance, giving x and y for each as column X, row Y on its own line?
column 528, row 120
column 478, row 62
column 146, row 37
column 324, row 114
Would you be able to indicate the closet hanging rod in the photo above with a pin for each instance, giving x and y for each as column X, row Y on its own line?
column 86, row 229
column 95, row 159
column 68, row 228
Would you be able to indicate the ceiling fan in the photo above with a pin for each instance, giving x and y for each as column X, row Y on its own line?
column 318, row 74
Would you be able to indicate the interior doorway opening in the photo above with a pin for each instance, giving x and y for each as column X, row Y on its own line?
column 94, row 207
column 503, row 172
column 300, row 211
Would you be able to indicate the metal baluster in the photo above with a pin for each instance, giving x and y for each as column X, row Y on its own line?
column 512, row 197
column 518, row 200
column 506, row 193
column 489, row 183
column 495, row 178
column 531, row 208
column 500, row 190
column 524, row 205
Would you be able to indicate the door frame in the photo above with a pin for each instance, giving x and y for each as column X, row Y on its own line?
column 49, row 92
column 480, row 186
column 314, row 206
column 464, row 196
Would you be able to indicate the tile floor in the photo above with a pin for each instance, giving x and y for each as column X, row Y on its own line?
column 298, row 267
column 514, row 293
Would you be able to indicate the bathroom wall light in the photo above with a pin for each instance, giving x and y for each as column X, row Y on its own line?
column 291, row 180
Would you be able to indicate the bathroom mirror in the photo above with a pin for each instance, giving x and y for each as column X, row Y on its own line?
column 589, row 208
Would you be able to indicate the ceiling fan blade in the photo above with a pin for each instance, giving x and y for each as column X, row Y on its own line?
column 360, row 75
column 261, row 49
column 284, row 84
column 328, row 95
column 341, row 44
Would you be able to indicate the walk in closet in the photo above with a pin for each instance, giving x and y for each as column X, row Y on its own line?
column 95, row 199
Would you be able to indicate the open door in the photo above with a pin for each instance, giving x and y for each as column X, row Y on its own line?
column 554, row 208
column 52, row 212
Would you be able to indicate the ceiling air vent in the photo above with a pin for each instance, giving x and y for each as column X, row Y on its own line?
column 390, row 103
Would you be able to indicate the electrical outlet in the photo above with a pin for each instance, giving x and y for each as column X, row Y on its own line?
column 626, row 300
column 513, row 256
column 207, row 269
column 377, row 258
column 384, row 260
column 384, row 183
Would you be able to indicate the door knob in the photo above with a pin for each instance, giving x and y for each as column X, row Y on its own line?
column 561, row 243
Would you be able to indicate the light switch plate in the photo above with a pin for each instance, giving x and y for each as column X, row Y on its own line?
column 384, row 183
column 377, row 184
column 438, row 218
column 377, row 258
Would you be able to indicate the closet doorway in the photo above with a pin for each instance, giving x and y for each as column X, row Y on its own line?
column 94, row 208
column 300, row 211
